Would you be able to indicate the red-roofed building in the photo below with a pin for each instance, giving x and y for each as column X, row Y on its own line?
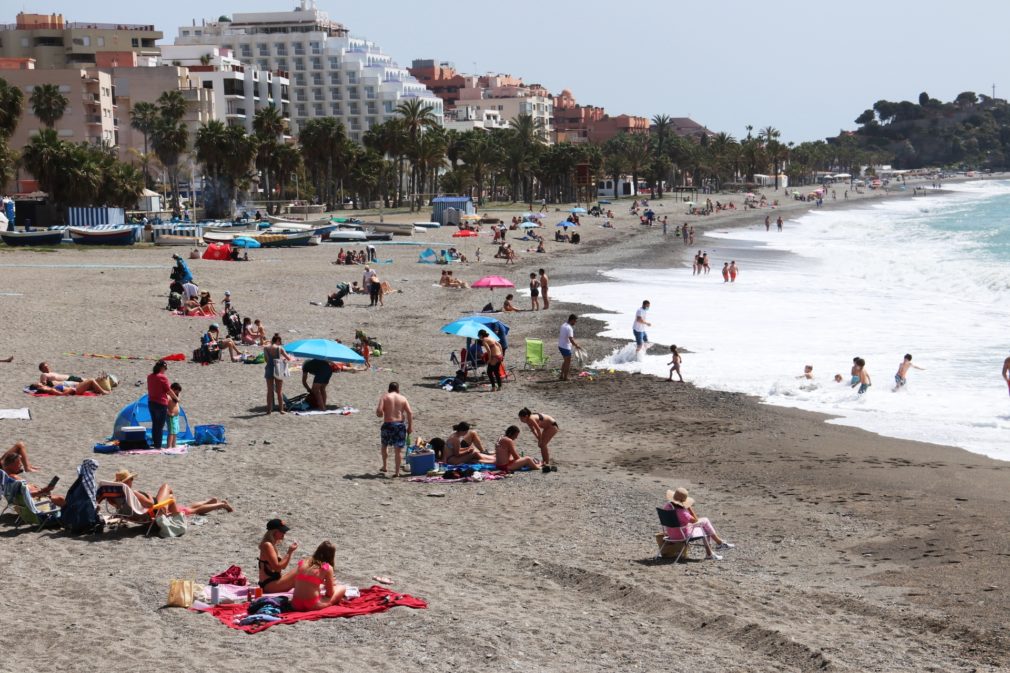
column 576, row 123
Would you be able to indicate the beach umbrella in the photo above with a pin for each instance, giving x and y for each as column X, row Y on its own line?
column 493, row 282
column 577, row 210
column 528, row 225
column 323, row 349
column 464, row 233
column 245, row 242
column 566, row 223
column 467, row 328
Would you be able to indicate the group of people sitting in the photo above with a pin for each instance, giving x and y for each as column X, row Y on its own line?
column 62, row 385
column 465, row 446
column 311, row 581
column 506, row 252
column 355, row 257
column 447, row 280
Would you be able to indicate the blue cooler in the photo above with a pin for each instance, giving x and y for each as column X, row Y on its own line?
column 133, row 433
column 421, row 463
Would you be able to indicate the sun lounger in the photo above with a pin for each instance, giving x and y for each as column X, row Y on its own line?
column 125, row 507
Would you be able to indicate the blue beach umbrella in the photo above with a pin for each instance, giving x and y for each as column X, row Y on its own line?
column 528, row 225
column 566, row 223
column 468, row 327
column 323, row 349
column 245, row 242
column 578, row 210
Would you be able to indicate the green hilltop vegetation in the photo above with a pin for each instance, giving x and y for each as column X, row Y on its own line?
column 972, row 131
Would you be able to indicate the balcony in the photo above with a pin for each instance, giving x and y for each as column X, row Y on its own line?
column 92, row 120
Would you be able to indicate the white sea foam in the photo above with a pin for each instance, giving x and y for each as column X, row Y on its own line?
column 923, row 276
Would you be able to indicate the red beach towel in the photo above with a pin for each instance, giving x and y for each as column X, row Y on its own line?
column 373, row 599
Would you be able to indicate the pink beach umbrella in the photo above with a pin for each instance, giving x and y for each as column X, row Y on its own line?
column 493, row 282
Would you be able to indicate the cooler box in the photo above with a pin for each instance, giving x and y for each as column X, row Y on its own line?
column 421, row 463
column 133, row 433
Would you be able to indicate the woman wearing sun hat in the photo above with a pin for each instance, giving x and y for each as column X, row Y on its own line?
column 683, row 504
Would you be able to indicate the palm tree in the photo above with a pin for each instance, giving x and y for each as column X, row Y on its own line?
column 43, row 156
column 226, row 153
column 637, row 155
column 479, row 154
column 8, row 162
column 144, row 118
column 170, row 138
column 11, row 104
column 416, row 116
column 287, row 160
column 48, row 104
column 326, row 150
column 615, row 160
column 268, row 126
column 661, row 126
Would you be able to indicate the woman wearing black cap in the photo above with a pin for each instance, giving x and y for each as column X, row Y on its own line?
column 270, row 562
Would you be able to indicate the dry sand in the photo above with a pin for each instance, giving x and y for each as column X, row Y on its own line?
column 855, row 552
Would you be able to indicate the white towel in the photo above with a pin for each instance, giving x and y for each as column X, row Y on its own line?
column 16, row 414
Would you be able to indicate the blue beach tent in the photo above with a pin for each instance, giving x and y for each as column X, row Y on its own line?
column 137, row 413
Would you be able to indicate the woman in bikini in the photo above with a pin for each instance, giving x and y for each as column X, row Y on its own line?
column 534, row 292
column 315, row 573
column 270, row 562
column 275, row 351
column 464, row 446
column 544, row 428
column 506, row 458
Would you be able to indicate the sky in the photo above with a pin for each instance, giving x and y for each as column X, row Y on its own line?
column 808, row 69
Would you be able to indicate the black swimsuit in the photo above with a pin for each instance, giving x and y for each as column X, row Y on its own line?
column 272, row 575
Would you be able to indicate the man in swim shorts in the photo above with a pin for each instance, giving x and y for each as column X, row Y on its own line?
column 397, row 422
column 638, row 328
column 1006, row 372
column 566, row 343
column 864, row 376
column 901, row 378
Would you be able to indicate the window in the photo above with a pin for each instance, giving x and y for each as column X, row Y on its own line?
column 317, row 79
column 299, row 49
column 352, row 78
column 369, row 92
column 281, row 49
column 352, row 92
column 370, row 107
column 335, row 109
column 334, row 78
column 334, row 93
column 353, row 107
column 317, row 63
column 264, row 48
column 135, row 42
column 372, row 121
column 282, row 64
column 299, row 63
column 300, row 95
column 388, row 107
column 334, row 62
column 101, row 41
column 317, row 94
column 299, row 79
column 317, row 110
column 246, row 51
column 316, row 47
column 300, row 110
column 263, row 64
column 82, row 41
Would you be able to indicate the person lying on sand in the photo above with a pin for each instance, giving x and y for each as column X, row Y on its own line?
column 464, row 446
column 315, row 573
column 19, row 450
column 165, row 493
column 69, row 388
column 681, row 503
column 506, row 458
column 49, row 377
column 271, row 564
column 14, row 468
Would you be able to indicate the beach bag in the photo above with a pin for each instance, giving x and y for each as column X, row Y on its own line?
column 280, row 368
column 174, row 301
column 209, row 434
column 171, row 525
column 79, row 514
column 180, row 593
column 233, row 576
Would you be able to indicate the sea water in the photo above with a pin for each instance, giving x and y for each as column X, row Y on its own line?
column 929, row 276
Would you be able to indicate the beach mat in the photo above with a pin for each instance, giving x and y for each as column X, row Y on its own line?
column 342, row 411
column 174, row 357
column 15, row 414
column 31, row 392
column 372, row 600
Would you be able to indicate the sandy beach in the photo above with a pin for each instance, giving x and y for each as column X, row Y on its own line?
column 855, row 552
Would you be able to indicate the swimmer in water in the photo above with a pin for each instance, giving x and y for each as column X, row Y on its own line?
column 854, row 373
column 901, row 378
column 808, row 372
column 864, row 376
column 839, row 379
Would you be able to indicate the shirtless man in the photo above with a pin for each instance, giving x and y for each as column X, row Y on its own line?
column 1006, row 371
column 543, row 288
column 18, row 450
column 397, row 423
column 901, row 378
column 49, row 377
column 854, row 372
column 864, row 376
column 11, row 465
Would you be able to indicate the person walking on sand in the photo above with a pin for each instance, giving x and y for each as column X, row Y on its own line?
column 638, row 327
column 704, row 263
column 733, row 269
column 864, row 377
column 397, row 422
column 901, row 378
column 768, row 222
column 725, row 272
column 544, row 428
column 674, row 363
column 778, row 223
column 566, row 342
column 544, row 280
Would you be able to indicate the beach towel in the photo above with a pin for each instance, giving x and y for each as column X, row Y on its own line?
column 485, row 476
column 15, row 414
column 113, row 447
column 183, row 315
column 343, row 411
column 174, row 357
column 35, row 394
column 373, row 599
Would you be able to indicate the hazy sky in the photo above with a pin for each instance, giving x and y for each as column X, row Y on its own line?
column 806, row 68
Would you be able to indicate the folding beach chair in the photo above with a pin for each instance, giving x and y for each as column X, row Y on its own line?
column 124, row 506
column 37, row 514
column 668, row 519
column 535, row 357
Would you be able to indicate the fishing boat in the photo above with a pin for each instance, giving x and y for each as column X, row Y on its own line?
column 99, row 236
column 347, row 236
column 177, row 240
column 427, row 225
column 310, row 224
column 268, row 240
column 395, row 228
column 33, row 238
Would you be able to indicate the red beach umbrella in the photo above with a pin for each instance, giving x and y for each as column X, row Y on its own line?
column 464, row 233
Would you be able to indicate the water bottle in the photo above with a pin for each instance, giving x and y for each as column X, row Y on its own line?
column 215, row 594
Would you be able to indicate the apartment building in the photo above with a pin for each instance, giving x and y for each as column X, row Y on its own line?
column 499, row 93
column 56, row 43
column 331, row 74
column 238, row 90
column 577, row 123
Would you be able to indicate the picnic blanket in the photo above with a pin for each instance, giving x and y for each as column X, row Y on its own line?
column 35, row 394
column 484, row 476
column 15, row 414
column 113, row 447
column 343, row 411
column 183, row 315
column 373, row 599
column 174, row 357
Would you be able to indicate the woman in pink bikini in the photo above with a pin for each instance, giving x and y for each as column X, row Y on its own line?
column 315, row 573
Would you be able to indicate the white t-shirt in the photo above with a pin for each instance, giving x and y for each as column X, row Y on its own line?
column 190, row 290
column 565, row 337
column 640, row 316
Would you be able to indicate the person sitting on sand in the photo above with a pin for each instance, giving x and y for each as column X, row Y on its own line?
column 69, row 388
column 13, row 467
column 195, row 254
column 271, row 564
column 247, row 337
column 207, row 304
column 192, row 307
column 506, row 458
column 19, row 450
column 213, row 341
column 683, row 505
column 455, row 282
column 464, row 446
column 544, row 428
column 164, row 494
column 508, row 306
column 315, row 573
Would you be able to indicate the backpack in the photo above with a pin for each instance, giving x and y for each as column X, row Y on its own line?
column 79, row 514
column 174, row 301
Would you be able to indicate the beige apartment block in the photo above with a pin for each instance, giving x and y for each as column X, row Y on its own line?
column 56, row 43
column 91, row 114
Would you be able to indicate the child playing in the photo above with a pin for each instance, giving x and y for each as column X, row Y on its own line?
column 675, row 361
column 259, row 332
column 506, row 458
column 173, row 415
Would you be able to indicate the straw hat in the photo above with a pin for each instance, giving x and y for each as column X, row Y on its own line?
column 125, row 475
column 680, row 498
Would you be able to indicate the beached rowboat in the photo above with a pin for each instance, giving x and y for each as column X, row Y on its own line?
column 34, row 238
column 111, row 236
column 395, row 228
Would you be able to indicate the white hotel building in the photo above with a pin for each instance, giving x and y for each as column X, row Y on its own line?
column 330, row 73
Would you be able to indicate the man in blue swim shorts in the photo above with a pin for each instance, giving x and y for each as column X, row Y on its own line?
column 566, row 342
column 397, row 423
column 638, row 328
